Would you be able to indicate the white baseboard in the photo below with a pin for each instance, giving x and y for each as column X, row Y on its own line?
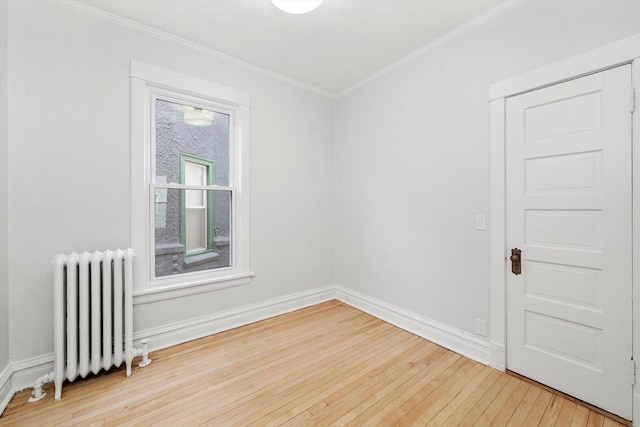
column 27, row 371
column 20, row 375
column 180, row 332
column 451, row 338
column 498, row 356
column 6, row 391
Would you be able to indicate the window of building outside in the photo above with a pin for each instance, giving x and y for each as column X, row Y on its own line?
column 189, row 157
column 197, row 209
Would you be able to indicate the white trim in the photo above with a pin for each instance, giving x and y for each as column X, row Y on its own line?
column 452, row 35
column 439, row 333
column 179, row 41
column 180, row 332
column 191, row 288
column 6, row 390
column 618, row 53
column 146, row 80
column 27, row 371
column 497, row 230
column 635, row 79
column 22, row 374
column 187, row 44
column 198, row 87
column 611, row 55
column 636, row 404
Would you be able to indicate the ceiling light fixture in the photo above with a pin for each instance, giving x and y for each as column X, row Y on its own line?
column 296, row 7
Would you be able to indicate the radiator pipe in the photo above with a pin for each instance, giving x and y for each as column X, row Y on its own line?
column 144, row 351
column 37, row 392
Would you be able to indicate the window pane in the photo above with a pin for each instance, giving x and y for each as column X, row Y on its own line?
column 195, row 229
column 186, row 130
column 195, row 198
column 195, row 174
column 190, row 239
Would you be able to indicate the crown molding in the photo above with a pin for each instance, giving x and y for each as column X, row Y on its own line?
column 465, row 28
column 223, row 57
column 182, row 42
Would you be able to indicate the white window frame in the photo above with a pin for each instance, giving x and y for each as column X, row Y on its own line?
column 147, row 82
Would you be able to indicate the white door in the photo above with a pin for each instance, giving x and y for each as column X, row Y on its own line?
column 569, row 210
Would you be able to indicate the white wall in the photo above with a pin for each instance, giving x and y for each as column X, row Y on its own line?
column 69, row 177
column 5, row 366
column 4, row 283
column 412, row 157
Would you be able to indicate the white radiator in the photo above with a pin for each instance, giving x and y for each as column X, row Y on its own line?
column 93, row 316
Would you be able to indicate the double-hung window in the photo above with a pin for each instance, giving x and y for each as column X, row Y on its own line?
column 190, row 195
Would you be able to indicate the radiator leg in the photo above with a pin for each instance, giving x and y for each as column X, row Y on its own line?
column 58, row 393
column 37, row 392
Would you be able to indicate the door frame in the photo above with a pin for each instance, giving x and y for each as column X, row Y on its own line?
column 625, row 51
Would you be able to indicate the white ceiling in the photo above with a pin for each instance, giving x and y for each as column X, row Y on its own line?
column 333, row 49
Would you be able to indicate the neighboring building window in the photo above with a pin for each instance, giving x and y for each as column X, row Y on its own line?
column 193, row 162
column 197, row 208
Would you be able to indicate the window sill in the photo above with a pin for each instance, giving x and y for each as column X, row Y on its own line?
column 191, row 288
column 200, row 258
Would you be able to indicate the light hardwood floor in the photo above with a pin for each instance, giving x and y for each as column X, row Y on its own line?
column 329, row 364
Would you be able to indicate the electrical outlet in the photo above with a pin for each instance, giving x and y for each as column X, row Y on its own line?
column 481, row 327
column 481, row 222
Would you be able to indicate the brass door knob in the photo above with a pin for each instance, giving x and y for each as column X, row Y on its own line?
column 515, row 261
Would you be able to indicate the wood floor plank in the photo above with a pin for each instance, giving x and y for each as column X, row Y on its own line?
column 565, row 416
column 510, row 405
column 551, row 413
column 392, row 384
column 257, row 400
column 580, row 416
column 473, row 400
column 465, row 397
column 523, row 409
column 329, row 364
column 429, row 399
column 539, row 408
column 595, row 419
column 433, row 404
column 310, row 399
column 496, row 405
column 253, row 378
column 473, row 415
column 398, row 370
column 266, row 373
column 392, row 380
column 381, row 406
column 608, row 422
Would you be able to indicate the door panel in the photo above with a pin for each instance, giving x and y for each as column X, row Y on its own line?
column 564, row 283
column 569, row 210
column 581, row 172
